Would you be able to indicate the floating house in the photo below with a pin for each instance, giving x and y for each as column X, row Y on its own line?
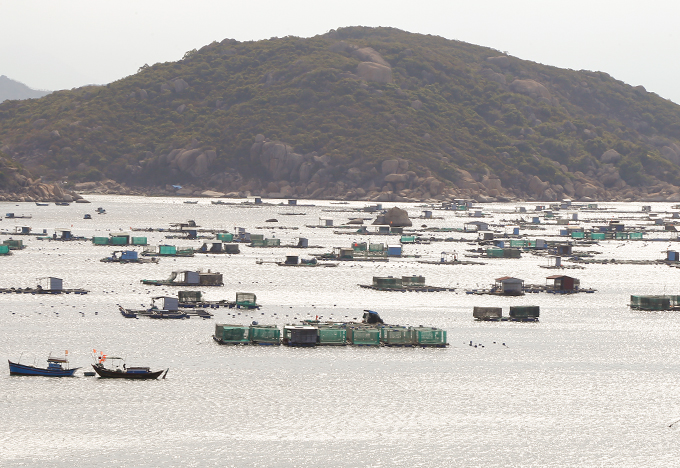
column 509, row 286
column 65, row 235
column 187, row 278
column 564, row 250
column 475, row 226
column 564, row 283
column 46, row 285
column 127, row 256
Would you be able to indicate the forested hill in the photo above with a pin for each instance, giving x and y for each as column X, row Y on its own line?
column 357, row 113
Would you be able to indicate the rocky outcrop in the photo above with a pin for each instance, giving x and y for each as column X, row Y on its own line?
column 530, row 88
column 370, row 71
column 193, row 161
column 368, row 54
column 502, row 61
column 610, row 157
column 395, row 217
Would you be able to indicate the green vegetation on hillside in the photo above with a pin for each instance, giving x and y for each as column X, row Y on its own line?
column 448, row 108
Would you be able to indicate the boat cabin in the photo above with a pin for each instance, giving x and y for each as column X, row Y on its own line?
column 62, row 234
column 196, row 277
column 50, row 283
column 166, row 303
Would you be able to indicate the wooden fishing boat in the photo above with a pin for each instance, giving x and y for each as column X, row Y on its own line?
column 120, row 371
column 56, row 367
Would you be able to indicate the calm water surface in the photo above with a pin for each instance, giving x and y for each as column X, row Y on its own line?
column 592, row 384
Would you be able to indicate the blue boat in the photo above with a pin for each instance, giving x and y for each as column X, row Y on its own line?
column 56, row 367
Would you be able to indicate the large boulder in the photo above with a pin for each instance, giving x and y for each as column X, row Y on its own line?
column 396, row 178
column 395, row 217
column 537, row 186
column 368, row 54
column 502, row 61
column 530, row 88
column 610, row 157
column 370, row 71
column 670, row 154
column 390, row 166
column 180, row 85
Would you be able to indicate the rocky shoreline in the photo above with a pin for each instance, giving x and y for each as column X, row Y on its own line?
column 669, row 194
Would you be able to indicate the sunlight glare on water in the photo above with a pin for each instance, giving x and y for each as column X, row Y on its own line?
column 592, row 384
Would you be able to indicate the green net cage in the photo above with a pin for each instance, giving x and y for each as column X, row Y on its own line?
column 524, row 311
column 654, row 302
column 119, row 240
column 167, row 250
column 235, row 334
column 332, row 336
column 190, row 296
column 426, row 336
column 396, row 336
column 386, row 282
column 247, row 300
column 225, row 236
column 364, row 336
column 265, row 334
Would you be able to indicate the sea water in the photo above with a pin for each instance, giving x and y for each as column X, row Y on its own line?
column 593, row 383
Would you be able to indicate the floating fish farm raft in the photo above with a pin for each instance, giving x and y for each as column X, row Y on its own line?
column 517, row 314
column 313, row 333
column 403, row 284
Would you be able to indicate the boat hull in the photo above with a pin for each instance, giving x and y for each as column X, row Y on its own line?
column 119, row 374
column 21, row 369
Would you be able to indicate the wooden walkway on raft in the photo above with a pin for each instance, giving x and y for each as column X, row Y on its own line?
column 165, row 314
column 41, row 291
column 531, row 289
column 453, row 262
column 507, row 319
column 408, row 289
